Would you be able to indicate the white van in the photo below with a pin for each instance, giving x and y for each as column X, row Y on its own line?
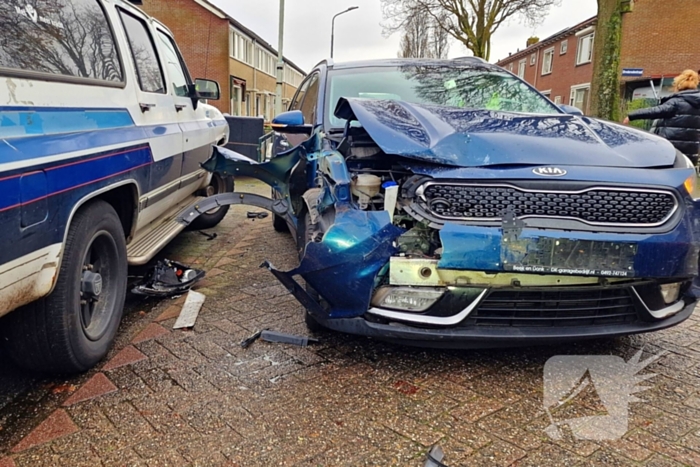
column 102, row 133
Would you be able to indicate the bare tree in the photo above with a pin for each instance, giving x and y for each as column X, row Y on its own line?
column 423, row 37
column 471, row 22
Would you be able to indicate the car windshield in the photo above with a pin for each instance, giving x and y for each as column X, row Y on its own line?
column 469, row 87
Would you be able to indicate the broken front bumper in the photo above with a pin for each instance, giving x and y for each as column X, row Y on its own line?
column 491, row 337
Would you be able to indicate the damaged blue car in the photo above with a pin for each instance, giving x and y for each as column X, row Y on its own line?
column 447, row 203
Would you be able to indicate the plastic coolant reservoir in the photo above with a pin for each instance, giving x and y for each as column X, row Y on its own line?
column 366, row 187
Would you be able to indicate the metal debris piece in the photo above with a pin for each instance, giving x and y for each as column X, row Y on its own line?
column 257, row 215
column 190, row 310
column 209, row 236
column 168, row 278
column 281, row 338
column 435, row 457
column 245, row 343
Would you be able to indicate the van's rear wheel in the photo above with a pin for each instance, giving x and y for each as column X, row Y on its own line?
column 73, row 328
column 218, row 185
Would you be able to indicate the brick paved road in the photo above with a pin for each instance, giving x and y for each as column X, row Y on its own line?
column 196, row 398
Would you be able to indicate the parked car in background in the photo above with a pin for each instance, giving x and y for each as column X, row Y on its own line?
column 102, row 134
column 448, row 203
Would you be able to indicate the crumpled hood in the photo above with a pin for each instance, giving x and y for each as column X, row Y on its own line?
column 479, row 138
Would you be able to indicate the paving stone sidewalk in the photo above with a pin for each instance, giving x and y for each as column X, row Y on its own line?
column 196, row 398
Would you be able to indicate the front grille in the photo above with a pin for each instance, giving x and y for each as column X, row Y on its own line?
column 555, row 308
column 604, row 206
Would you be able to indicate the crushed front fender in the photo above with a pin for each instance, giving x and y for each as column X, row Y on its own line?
column 343, row 267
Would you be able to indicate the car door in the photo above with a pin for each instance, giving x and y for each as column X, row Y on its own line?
column 197, row 131
column 158, row 117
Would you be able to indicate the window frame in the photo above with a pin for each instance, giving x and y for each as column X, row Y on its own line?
column 314, row 78
column 121, row 10
column 580, row 87
column 579, row 49
column 551, row 62
column 183, row 65
column 56, row 78
column 522, row 65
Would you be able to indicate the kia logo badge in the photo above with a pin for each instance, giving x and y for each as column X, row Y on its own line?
column 549, row 171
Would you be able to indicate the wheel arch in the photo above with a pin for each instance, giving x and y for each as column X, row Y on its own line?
column 123, row 196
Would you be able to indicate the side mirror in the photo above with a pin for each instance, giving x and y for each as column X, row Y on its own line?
column 571, row 110
column 207, row 89
column 291, row 122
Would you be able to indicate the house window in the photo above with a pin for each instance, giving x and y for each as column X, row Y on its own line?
column 240, row 47
column 533, row 59
column 580, row 96
column 557, row 100
column 510, row 68
column 521, row 68
column 547, row 60
column 585, row 49
column 564, row 47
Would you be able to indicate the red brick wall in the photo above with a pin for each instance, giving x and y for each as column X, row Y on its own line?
column 565, row 72
column 661, row 36
column 202, row 38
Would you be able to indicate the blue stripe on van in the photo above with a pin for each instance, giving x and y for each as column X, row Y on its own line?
column 62, row 178
column 63, row 185
column 34, row 147
column 17, row 122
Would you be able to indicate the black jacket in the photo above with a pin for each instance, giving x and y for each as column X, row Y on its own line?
column 678, row 121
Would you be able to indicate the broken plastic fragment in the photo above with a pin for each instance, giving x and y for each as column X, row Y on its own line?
column 168, row 278
column 435, row 457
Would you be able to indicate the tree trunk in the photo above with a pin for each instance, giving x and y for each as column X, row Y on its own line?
column 605, row 89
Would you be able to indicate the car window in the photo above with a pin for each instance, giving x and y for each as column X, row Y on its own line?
column 144, row 54
column 299, row 98
column 310, row 103
column 470, row 87
column 69, row 38
column 176, row 72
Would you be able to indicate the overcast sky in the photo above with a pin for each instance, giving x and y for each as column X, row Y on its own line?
column 358, row 34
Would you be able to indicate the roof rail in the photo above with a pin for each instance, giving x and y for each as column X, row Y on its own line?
column 471, row 59
column 325, row 61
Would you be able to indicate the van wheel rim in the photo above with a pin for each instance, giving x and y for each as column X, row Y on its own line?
column 98, row 285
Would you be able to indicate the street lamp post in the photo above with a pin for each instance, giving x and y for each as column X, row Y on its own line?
column 333, row 25
column 280, row 62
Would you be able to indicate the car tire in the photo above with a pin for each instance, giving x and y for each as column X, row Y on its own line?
column 278, row 223
column 211, row 219
column 73, row 328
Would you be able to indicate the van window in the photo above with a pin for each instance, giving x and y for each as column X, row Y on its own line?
column 70, row 38
column 176, row 71
column 144, row 53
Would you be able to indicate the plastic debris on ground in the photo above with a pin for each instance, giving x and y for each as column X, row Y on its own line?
column 257, row 215
column 278, row 338
column 190, row 310
column 168, row 278
column 435, row 457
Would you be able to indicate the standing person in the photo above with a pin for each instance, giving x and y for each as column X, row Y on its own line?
column 678, row 116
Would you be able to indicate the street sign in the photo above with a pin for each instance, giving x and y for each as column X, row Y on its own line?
column 633, row 72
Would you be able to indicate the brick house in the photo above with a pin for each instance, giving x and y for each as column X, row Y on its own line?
column 218, row 47
column 658, row 38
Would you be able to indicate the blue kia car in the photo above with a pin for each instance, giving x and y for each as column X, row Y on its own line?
column 448, row 203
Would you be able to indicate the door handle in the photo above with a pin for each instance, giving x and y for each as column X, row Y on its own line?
column 146, row 107
column 180, row 107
